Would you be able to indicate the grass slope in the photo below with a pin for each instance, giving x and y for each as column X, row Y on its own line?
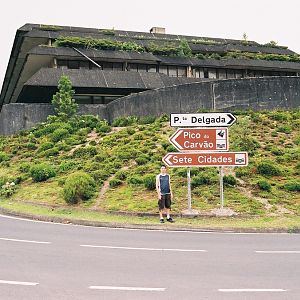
column 128, row 156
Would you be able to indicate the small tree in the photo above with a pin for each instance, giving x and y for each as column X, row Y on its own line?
column 63, row 102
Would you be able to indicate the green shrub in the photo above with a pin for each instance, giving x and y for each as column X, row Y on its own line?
column 78, row 186
column 24, row 167
column 279, row 116
column 3, row 156
column 45, row 146
column 171, row 148
column 59, row 134
column 30, row 146
column 268, row 168
column 124, row 121
column 67, row 166
column 85, row 152
column 276, row 151
column 142, row 159
column 146, row 120
column 134, row 179
column 242, row 172
column 7, row 189
column 264, row 185
column 150, row 182
column 114, row 182
column 292, row 186
column 122, row 174
column 100, row 175
column 229, row 180
column 42, row 172
column 50, row 152
column 201, row 179
column 285, row 129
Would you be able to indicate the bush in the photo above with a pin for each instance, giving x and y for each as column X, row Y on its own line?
column 134, row 179
column 229, row 180
column 264, row 185
column 242, row 172
column 42, row 172
column 45, row 146
column 268, row 168
column 85, row 152
column 292, row 186
column 142, row 159
column 285, row 129
column 124, row 121
column 100, row 175
column 50, row 152
column 59, row 134
column 78, row 186
column 67, row 166
column 150, row 182
column 122, row 175
column 200, row 179
column 8, row 189
column 114, row 182
column 24, row 167
column 3, row 156
column 146, row 120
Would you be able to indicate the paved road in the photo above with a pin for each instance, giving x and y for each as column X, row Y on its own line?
column 53, row 261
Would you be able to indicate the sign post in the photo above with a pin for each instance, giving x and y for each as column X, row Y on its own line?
column 189, row 189
column 221, row 188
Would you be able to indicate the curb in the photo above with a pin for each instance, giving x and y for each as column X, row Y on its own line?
column 165, row 227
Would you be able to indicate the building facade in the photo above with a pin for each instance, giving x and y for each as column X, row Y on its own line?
column 108, row 65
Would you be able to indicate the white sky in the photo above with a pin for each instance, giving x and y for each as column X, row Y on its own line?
column 261, row 20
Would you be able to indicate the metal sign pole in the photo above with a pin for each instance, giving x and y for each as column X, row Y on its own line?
column 221, row 188
column 189, row 189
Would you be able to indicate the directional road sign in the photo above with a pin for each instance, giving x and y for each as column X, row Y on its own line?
column 200, row 139
column 202, row 120
column 206, row 159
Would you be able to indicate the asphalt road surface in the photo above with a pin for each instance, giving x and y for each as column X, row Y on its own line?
column 41, row 260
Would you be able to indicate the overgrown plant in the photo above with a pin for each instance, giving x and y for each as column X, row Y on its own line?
column 63, row 102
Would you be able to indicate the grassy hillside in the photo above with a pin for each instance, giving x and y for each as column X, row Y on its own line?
column 124, row 158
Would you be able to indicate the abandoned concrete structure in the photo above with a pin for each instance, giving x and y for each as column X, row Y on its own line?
column 116, row 73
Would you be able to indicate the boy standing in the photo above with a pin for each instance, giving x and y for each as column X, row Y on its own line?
column 164, row 193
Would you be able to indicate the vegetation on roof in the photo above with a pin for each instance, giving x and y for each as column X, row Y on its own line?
column 249, row 55
column 169, row 49
column 50, row 27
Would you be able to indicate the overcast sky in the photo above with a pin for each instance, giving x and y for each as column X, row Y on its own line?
column 261, row 20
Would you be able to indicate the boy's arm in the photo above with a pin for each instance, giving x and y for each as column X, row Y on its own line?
column 170, row 187
column 157, row 187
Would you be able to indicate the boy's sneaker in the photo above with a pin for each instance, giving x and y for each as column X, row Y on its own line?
column 170, row 220
column 162, row 221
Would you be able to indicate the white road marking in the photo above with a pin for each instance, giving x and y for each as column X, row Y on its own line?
column 279, row 251
column 18, row 282
column 127, row 288
column 24, row 241
column 251, row 290
column 144, row 249
column 150, row 230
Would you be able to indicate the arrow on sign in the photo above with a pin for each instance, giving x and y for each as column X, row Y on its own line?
column 200, row 139
column 202, row 120
column 206, row 159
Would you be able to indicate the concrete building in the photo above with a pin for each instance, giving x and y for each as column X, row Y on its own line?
column 117, row 73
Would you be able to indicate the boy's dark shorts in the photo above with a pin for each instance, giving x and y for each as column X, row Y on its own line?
column 164, row 202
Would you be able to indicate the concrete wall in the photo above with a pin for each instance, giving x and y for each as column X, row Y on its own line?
column 17, row 116
column 255, row 93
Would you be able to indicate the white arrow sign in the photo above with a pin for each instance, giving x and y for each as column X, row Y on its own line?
column 202, row 120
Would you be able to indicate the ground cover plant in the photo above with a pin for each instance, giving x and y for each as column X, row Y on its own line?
column 120, row 160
